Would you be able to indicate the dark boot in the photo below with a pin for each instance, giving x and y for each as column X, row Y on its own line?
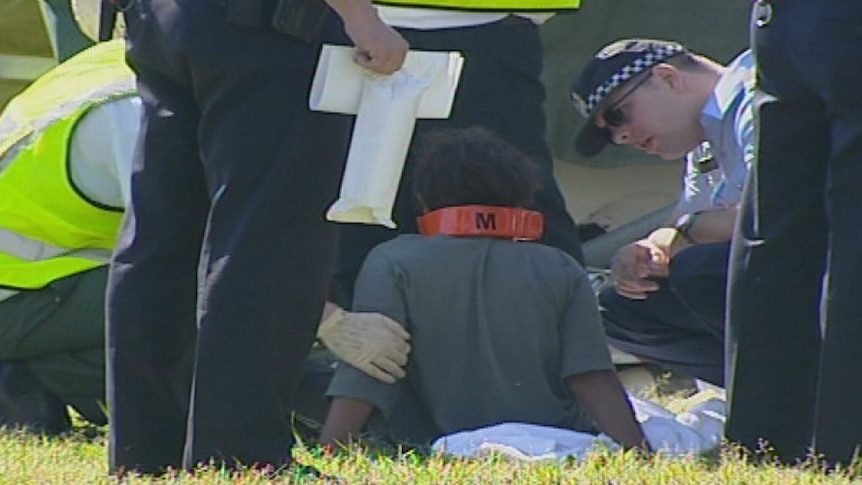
column 27, row 404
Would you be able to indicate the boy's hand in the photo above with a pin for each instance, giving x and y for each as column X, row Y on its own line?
column 371, row 342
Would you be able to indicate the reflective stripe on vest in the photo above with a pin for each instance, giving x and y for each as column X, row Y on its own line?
column 48, row 229
column 26, row 249
column 103, row 72
column 489, row 5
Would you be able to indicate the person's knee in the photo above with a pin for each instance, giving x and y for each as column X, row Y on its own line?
column 608, row 300
column 686, row 267
column 699, row 273
column 613, row 307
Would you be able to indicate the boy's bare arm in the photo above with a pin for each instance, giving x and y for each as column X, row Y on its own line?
column 603, row 396
column 346, row 418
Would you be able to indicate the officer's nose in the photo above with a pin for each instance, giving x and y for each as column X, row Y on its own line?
column 621, row 135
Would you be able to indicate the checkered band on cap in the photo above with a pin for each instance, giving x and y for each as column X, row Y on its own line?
column 650, row 58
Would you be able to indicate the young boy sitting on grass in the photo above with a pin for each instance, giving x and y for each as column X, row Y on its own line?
column 503, row 330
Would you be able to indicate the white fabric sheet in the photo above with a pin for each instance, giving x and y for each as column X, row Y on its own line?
column 695, row 431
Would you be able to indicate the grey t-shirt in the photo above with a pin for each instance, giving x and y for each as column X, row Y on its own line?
column 496, row 327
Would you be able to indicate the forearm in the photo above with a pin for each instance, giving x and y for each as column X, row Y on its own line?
column 703, row 227
column 714, row 226
column 350, row 10
column 346, row 418
column 603, row 397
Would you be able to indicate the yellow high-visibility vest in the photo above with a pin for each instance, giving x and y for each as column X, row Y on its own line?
column 489, row 5
column 48, row 228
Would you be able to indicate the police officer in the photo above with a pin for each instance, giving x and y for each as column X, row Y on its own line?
column 224, row 260
column 796, row 272
column 501, row 45
column 667, row 303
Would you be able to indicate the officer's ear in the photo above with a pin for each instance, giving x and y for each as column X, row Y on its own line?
column 670, row 77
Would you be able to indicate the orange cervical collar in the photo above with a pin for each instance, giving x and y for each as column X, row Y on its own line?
column 483, row 221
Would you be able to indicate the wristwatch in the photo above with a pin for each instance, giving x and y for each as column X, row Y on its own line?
column 684, row 224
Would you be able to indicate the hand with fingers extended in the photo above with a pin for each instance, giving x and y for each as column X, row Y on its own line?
column 371, row 342
column 635, row 266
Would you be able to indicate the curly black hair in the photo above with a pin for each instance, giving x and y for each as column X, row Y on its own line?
column 472, row 166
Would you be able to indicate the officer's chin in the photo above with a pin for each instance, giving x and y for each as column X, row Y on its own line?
column 671, row 156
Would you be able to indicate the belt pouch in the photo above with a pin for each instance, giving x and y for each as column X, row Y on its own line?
column 303, row 19
column 244, row 13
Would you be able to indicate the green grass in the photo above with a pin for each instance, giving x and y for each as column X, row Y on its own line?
column 81, row 459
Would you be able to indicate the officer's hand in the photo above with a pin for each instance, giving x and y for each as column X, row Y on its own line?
column 669, row 241
column 371, row 342
column 634, row 265
column 379, row 47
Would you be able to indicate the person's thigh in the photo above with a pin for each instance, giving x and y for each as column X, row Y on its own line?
column 58, row 333
column 68, row 315
column 698, row 277
column 662, row 330
column 77, row 379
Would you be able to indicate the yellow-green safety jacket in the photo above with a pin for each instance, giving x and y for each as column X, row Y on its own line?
column 48, row 228
column 489, row 5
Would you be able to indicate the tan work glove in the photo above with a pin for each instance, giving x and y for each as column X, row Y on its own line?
column 371, row 342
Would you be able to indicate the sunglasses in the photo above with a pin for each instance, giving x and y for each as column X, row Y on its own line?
column 613, row 115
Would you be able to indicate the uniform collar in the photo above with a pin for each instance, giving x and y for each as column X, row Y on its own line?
column 738, row 77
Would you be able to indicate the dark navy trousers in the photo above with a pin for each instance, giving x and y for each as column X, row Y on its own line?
column 680, row 326
column 501, row 90
column 795, row 302
column 225, row 258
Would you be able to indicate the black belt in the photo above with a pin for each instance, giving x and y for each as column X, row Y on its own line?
column 303, row 19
